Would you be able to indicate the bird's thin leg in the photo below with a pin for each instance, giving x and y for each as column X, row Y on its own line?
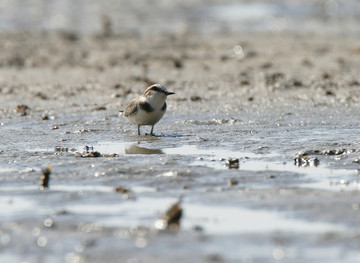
column 138, row 129
column 152, row 129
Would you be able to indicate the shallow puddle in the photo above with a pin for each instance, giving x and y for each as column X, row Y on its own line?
column 17, row 207
column 213, row 219
column 322, row 176
column 143, row 212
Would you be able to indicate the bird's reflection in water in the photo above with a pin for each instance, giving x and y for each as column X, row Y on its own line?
column 135, row 149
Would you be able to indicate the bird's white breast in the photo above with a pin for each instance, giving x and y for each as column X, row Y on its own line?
column 143, row 117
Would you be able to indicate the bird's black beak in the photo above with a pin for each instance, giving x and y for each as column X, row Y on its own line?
column 169, row 93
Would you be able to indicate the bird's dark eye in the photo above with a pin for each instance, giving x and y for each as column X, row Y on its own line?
column 156, row 88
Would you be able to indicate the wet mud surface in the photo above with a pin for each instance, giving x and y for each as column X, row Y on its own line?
column 259, row 147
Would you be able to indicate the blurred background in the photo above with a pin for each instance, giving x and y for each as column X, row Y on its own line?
column 185, row 16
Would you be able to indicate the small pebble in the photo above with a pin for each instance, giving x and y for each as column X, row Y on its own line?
column 232, row 182
column 232, row 163
column 195, row 98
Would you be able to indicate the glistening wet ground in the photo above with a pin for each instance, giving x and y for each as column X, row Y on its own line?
column 270, row 207
column 257, row 155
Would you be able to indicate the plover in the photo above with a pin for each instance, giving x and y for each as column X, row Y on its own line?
column 148, row 108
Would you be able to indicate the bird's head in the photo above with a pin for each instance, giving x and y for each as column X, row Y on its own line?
column 157, row 90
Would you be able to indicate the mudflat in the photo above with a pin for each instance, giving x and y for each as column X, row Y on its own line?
column 283, row 106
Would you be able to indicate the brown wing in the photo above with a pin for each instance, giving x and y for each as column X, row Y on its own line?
column 131, row 108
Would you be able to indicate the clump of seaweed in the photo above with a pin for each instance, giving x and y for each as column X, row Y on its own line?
column 171, row 219
column 232, row 163
column 126, row 192
column 45, row 177
column 89, row 152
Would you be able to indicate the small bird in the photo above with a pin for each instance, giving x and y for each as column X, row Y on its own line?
column 148, row 108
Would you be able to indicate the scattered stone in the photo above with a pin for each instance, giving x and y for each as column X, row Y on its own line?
column 251, row 54
column 61, row 212
column 354, row 83
column 91, row 154
column 295, row 83
column 325, row 152
column 307, row 63
column 126, row 192
column 326, row 75
column 198, row 228
column 336, row 152
column 69, row 36
column 42, row 95
column 45, row 117
column 232, row 181
column 118, row 86
column 121, row 189
column 81, row 131
column 16, row 61
column 232, row 163
column 244, row 82
column 224, row 57
column 271, row 79
column 126, row 92
column 112, row 155
column 215, row 258
column 22, row 109
column 341, row 182
column 266, row 65
column 341, row 61
column 329, row 93
column 180, row 99
column 115, row 95
column 178, row 63
column 306, row 161
column 99, row 108
column 171, row 219
column 195, row 98
column 45, row 177
column 61, row 149
column 356, row 160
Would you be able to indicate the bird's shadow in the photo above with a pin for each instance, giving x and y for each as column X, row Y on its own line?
column 162, row 135
column 135, row 149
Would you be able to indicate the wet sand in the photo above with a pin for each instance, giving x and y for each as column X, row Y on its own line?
column 265, row 99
